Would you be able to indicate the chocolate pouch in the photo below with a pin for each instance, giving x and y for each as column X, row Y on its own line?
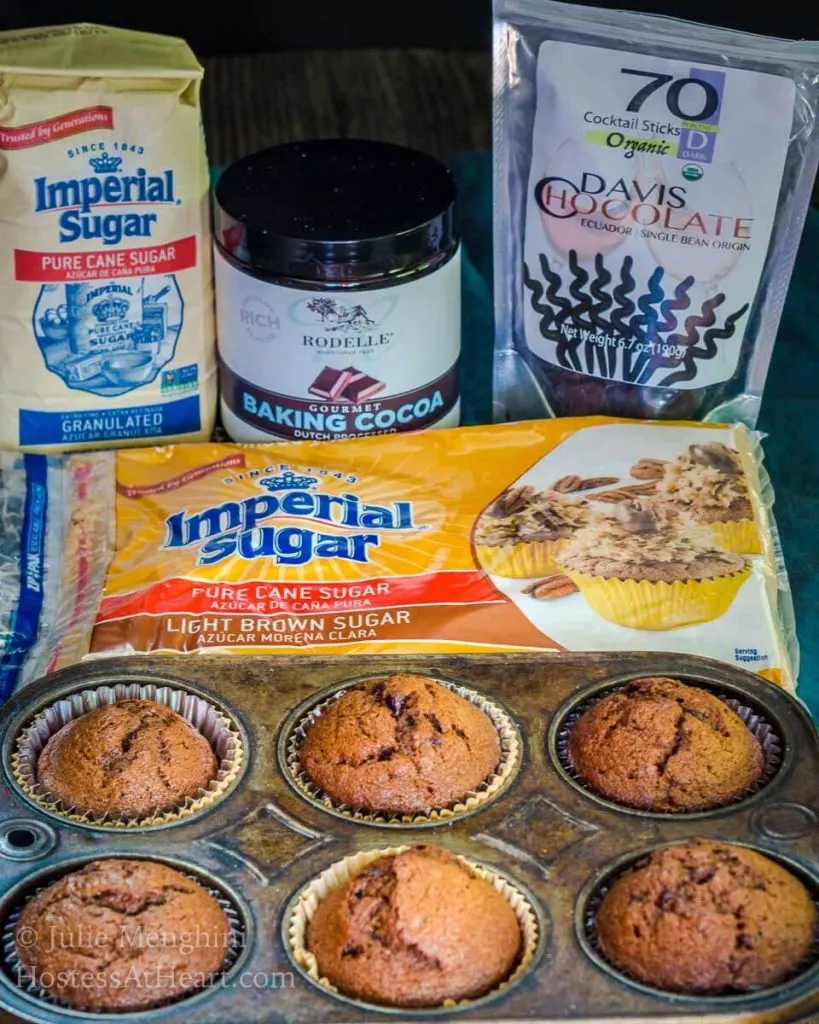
column 651, row 181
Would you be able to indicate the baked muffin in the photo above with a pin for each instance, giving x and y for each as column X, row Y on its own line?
column 661, row 745
column 708, row 481
column 706, row 916
column 121, row 935
column 523, row 531
column 402, row 745
column 132, row 759
column 415, row 929
column 650, row 566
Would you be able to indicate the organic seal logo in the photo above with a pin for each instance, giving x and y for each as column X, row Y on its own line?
column 692, row 172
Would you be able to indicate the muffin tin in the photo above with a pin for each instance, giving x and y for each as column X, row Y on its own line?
column 264, row 840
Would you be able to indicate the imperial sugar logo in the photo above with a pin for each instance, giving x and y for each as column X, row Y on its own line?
column 84, row 204
column 248, row 528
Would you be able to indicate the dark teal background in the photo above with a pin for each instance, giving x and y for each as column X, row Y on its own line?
column 790, row 410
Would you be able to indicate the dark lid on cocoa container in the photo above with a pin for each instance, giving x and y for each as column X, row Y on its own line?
column 336, row 211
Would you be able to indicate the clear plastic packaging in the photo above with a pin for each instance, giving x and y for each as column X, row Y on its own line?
column 652, row 177
column 32, row 520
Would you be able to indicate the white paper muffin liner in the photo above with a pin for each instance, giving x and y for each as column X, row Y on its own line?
column 338, row 874
column 213, row 724
column 510, row 746
column 22, row 977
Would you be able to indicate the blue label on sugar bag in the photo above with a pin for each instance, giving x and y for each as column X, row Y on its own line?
column 68, row 428
column 24, row 624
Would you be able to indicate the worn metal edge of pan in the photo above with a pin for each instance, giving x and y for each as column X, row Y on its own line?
column 13, row 896
column 709, row 1003
column 544, row 938
column 108, row 677
column 305, row 706
column 714, row 683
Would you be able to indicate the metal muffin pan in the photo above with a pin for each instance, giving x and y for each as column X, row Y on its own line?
column 263, row 841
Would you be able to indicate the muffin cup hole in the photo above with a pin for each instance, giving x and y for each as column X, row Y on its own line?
column 303, row 905
column 23, row 979
column 760, row 724
column 221, row 732
column 26, row 839
column 295, row 732
column 598, row 886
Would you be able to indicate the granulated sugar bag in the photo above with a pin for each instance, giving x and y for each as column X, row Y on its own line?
column 106, row 318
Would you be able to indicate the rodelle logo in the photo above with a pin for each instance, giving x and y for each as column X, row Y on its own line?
column 345, row 326
column 259, row 319
column 236, row 527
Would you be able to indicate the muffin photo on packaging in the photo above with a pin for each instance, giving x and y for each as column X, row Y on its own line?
column 648, row 566
column 709, row 482
column 522, row 532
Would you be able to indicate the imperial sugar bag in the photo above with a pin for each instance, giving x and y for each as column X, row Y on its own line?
column 106, row 308
column 566, row 534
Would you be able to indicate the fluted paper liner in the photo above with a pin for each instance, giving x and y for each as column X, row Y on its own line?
column 646, row 604
column 212, row 723
column 521, row 559
column 756, row 722
column 507, row 766
column 22, row 976
column 342, row 871
column 738, row 535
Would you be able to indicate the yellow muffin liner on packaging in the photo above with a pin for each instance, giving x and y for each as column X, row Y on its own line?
column 207, row 719
column 739, row 536
column 522, row 559
column 338, row 874
column 510, row 745
column 645, row 604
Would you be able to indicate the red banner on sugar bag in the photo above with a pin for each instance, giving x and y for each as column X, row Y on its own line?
column 162, row 486
column 38, row 133
column 105, row 263
column 275, row 597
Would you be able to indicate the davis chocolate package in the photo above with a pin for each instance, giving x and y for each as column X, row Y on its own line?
column 651, row 182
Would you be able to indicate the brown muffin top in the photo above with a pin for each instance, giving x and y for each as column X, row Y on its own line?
column 648, row 540
column 709, row 480
column 522, row 514
column 706, row 916
column 121, row 935
column 131, row 759
column 415, row 929
column 403, row 744
column 659, row 744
